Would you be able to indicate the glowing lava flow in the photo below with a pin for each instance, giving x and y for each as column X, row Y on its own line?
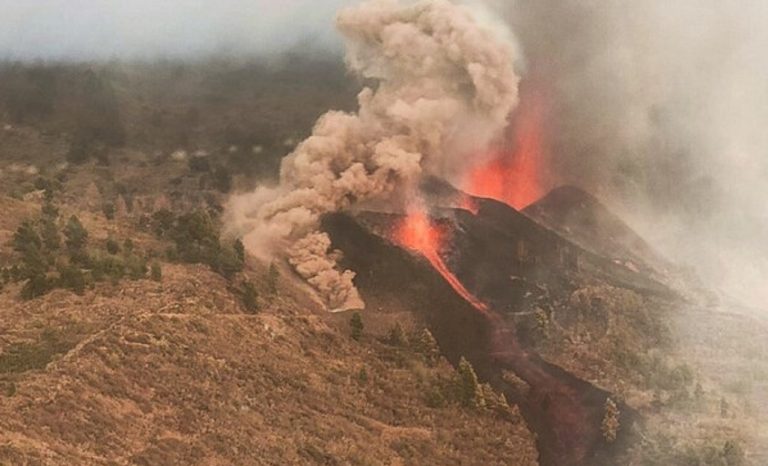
column 416, row 232
column 513, row 174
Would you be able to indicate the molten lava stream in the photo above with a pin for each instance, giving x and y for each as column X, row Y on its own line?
column 416, row 232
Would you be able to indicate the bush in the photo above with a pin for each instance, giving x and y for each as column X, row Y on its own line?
column 136, row 267
column 112, row 246
column 610, row 424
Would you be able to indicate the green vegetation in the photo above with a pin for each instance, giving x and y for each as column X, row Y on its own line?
column 155, row 272
column 397, row 336
column 356, row 326
column 22, row 357
column 250, row 297
column 470, row 392
column 196, row 240
column 426, row 345
column 44, row 266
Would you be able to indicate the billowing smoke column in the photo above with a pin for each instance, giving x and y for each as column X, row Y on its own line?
column 439, row 80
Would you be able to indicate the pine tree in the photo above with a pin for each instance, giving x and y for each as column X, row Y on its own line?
column 427, row 345
column 610, row 424
column 76, row 235
column 397, row 336
column 273, row 276
column 50, row 234
column 156, row 273
column 250, row 297
column 356, row 326
column 470, row 391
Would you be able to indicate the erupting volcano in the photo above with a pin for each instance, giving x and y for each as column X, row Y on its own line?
column 417, row 233
column 512, row 172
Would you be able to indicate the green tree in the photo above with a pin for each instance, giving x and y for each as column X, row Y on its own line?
column 470, row 391
column 426, row 344
column 250, row 297
column 71, row 277
column 156, row 273
column 356, row 326
column 222, row 179
column 29, row 245
column 109, row 210
column 26, row 238
column 76, row 235
column 397, row 336
column 50, row 234
column 733, row 454
column 273, row 276
column 36, row 286
column 239, row 248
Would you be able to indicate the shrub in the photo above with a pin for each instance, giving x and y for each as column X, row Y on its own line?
column 135, row 267
column 112, row 246
column 610, row 424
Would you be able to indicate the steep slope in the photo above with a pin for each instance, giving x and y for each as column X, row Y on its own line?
column 177, row 373
column 583, row 219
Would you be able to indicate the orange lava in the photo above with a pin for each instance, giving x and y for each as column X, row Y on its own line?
column 417, row 233
column 513, row 172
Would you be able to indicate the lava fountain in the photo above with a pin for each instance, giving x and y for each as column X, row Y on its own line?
column 512, row 172
column 417, row 233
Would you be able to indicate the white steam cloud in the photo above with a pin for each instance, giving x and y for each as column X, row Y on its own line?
column 438, row 78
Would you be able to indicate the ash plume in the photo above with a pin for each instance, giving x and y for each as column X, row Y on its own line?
column 659, row 108
column 436, row 79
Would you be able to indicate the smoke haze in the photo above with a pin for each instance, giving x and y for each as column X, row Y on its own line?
column 659, row 108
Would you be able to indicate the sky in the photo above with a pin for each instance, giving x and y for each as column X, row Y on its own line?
column 107, row 29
